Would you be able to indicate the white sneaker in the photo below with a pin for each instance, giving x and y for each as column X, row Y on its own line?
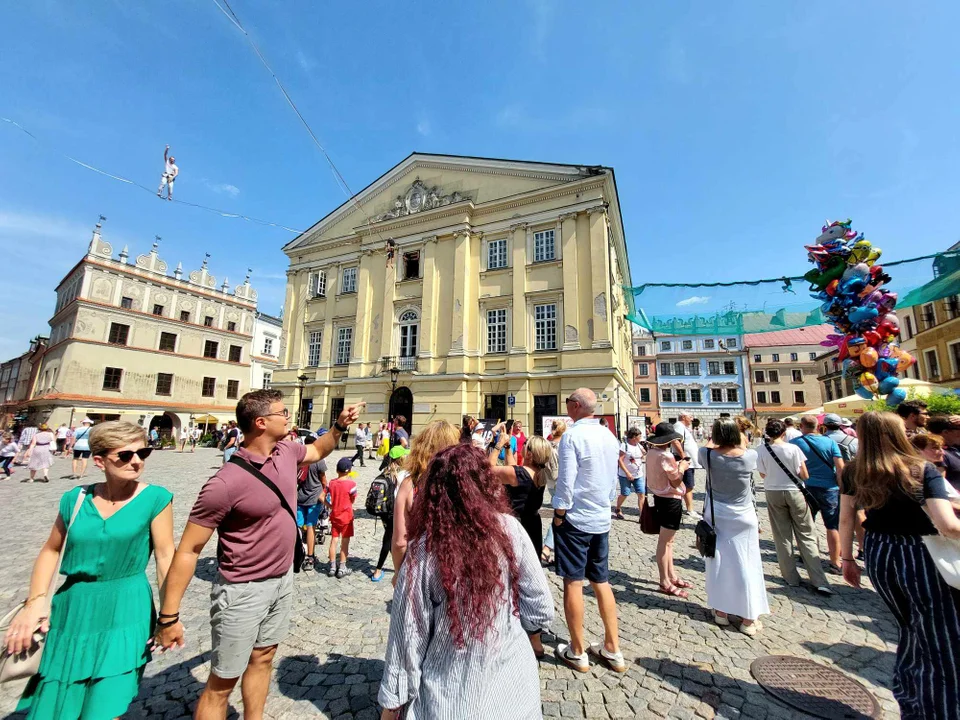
column 580, row 663
column 694, row 515
column 614, row 661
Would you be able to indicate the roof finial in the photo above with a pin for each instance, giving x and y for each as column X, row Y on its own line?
column 157, row 239
column 206, row 257
column 246, row 280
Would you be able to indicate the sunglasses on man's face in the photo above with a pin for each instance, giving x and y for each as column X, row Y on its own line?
column 125, row 456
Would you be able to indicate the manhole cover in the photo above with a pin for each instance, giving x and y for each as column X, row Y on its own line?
column 814, row 688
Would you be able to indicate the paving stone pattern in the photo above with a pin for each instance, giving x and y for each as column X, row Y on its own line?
column 681, row 665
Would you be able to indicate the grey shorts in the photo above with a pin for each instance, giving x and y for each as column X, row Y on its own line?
column 244, row 616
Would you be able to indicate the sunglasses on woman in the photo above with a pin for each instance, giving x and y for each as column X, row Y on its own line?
column 125, row 456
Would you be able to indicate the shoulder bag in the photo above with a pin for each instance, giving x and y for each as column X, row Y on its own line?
column 811, row 500
column 299, row 552
column 649, row 523
column 706, row 534
column 25, row 665
column 944, row 551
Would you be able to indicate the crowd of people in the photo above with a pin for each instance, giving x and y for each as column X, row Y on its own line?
column 461, row 515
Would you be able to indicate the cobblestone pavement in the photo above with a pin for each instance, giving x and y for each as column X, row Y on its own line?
column 681, row 665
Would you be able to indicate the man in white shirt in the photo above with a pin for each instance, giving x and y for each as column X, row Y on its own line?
column 691, row 449
column 586, row 486
column 792, row 433
column 170, row 173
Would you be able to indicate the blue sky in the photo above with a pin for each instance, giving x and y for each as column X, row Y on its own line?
column 735, row 128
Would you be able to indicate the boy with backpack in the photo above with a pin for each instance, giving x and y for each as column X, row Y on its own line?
column 341, row 493
column 380, row 502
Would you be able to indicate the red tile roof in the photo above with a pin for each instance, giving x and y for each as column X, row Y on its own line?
column 811, row 335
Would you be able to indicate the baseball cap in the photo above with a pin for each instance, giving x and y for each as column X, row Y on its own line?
column 831, row 419
column 344, row 465
column 398, row 451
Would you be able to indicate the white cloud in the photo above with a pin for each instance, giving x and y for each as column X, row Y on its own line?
column 221, row 188
column 423, row 127
column 306, row 63
column 694, row 300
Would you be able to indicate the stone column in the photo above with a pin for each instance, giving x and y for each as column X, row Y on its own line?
column 328, row 341
column 359, row 351
column 429, row 305
column 571, row 307
column 518, row 343
column 386, row 309
column 462, row 269
column 290, row 355
column 600, row 277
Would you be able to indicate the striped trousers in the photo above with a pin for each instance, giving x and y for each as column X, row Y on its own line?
column 926, row 676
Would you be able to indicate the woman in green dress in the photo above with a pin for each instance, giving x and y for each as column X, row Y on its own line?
column 102, row 617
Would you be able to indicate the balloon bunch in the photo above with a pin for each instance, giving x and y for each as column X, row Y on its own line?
column 849, row 283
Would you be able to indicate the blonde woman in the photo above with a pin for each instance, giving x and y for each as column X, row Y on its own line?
column 557, row 429
column 428, row 442
column 100, row 622
column 525, row 482
column 41, row 454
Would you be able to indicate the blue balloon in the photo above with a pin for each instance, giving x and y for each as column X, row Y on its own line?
column 862, row 314
column 896, row 396
column 864, row 393
column 888, row 385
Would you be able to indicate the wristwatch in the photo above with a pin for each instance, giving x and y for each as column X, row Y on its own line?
column 339, row 428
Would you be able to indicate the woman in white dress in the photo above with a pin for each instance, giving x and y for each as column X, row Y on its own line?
column 41, row 454
column 735, row 583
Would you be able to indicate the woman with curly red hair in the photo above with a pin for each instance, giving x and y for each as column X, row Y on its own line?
column 470, row 591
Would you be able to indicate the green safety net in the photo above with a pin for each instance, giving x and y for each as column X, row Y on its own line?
column 767, row 305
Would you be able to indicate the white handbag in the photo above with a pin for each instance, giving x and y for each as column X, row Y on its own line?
column 945, row 553
column 25, row 665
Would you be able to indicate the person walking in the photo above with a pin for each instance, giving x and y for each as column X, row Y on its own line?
column 170, row 172
column 310, row 494
column 906, row 500
column 783, row 468
column 231, row 441
column 557, row 429
column 249, row 502
column 61, row 438
column 690, row 447
column 825, row 464
column 948, row 427
column 8, row 451
column 68, row 448
column 521, row 439
column 459, row 649
column 24, row 441
column 394, row 475
column 194, row 438
column 631, row 472
column 665, row 465
column 102, row 618
column 586, row 486
column 914, row 415
column 41, row 454
column 361, row 439
column 184, row 437
column 81, row 449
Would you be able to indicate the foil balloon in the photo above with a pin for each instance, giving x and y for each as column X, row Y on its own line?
column 896, row 397
column 888, row 385
column 869, row 381
column 869, row 357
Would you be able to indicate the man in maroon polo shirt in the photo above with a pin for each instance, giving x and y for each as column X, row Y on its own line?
column 252, row 597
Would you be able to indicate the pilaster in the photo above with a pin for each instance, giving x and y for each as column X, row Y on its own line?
column 429, row 309
column 571, row 309
column 359, row 350
column 462, row 268
column 521, row 235
column 328, row 341
column 600, row 277
column 386, row 309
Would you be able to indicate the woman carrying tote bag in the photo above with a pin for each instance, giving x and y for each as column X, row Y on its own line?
column 102, row 618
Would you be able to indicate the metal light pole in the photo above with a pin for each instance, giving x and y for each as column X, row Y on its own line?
column 301, row 380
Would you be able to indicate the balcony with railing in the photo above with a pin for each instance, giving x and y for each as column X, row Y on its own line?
column 403, row 364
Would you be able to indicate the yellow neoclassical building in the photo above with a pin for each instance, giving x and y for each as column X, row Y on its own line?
column 456, row 285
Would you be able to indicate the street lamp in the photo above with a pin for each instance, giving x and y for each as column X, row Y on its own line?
column 302, row 380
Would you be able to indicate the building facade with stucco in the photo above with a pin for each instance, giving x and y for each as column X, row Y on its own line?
column 500, row 294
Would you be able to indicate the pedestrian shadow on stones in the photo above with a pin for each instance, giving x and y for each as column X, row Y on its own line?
column 207, row 569
column 177, row 689
column 342, row 684
column 874, row 665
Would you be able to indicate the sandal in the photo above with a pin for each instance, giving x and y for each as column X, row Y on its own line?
column 681, row 583
column 674, row 591
column 618, row 514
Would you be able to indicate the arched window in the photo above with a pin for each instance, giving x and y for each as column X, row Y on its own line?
column 409, row 333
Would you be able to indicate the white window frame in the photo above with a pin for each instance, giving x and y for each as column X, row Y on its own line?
column 714, row 364
column 643, row 369
column 497, row 254
column 714, row 392
column 268, row 346
column 267, row 379
column 666, row 395
column 350, row 272
column 647, row 391
column 773, row 376
column 665, row 346
column 813, row 356
column 693, row 368
column 732, row 343
column 686, row 345
column 543, row 340
column 679, row 368
column 681, row 395
column 799, row 397
column 756, row 358
column 408, row 325
column 699, row 393
column 709, row 344
column 926, row 362
column 759, row 376
column 951, row 354
column 794, row 357
column 545, row 245
column 794, row 373
column 499, row 323
column 775, row 400
column 666, row 369
column 314, row 347
column 344, row 345
column 724, row 368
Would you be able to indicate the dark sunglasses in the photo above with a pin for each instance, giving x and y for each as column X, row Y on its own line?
column 570, row 399
column 125, row 456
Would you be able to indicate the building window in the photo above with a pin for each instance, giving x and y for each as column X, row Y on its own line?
column 643, row 369
column 233, row 389
column 929, row 316
column 733, row 395
column 838, row 388
column 775, row 397
column 695, row 396
column 794, row 357
column 543, row 246
column 164, row 383
column 411, row 265
column 687, row 344
column 933, row 364
column 775, row 357
column 797, row 375
column 773, row 376
column 497, row 254
column 349, row 284
column 158, row 309
column 317, row 283
column 666, row 395
column 665, row 369
column 344, row 341
column 731, row 343
column 126, row 302
column 908, row 326
column 756, row 358
column 829, row 391
column 231, row 326
column 644, row 395
column 208, row 321
column 758, row 376
column 268, row 346
column 679, row 369
column 267, row 379
column 693, row 368
column 111, row 378
column 168, row 342
column 813, row 356
column 642, row 350
column 716, row 395
column 210, row 348
column 665, row 346
column 184, row 316
column 236, row 352
column 951, row 306
column 313, row 348
column 497, row 330
column 798, row 397
column 954, row 352
column 762, row 398
column 545, row 326
column 713, row 367
column 709, row 344
column 729, row 367
column 118, row 334
column 409, row 330
column 209, row 387
column 681, row 395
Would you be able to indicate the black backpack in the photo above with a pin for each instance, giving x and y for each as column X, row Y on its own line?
column 380, row 496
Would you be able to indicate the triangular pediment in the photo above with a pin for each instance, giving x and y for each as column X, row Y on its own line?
column 424, row 183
